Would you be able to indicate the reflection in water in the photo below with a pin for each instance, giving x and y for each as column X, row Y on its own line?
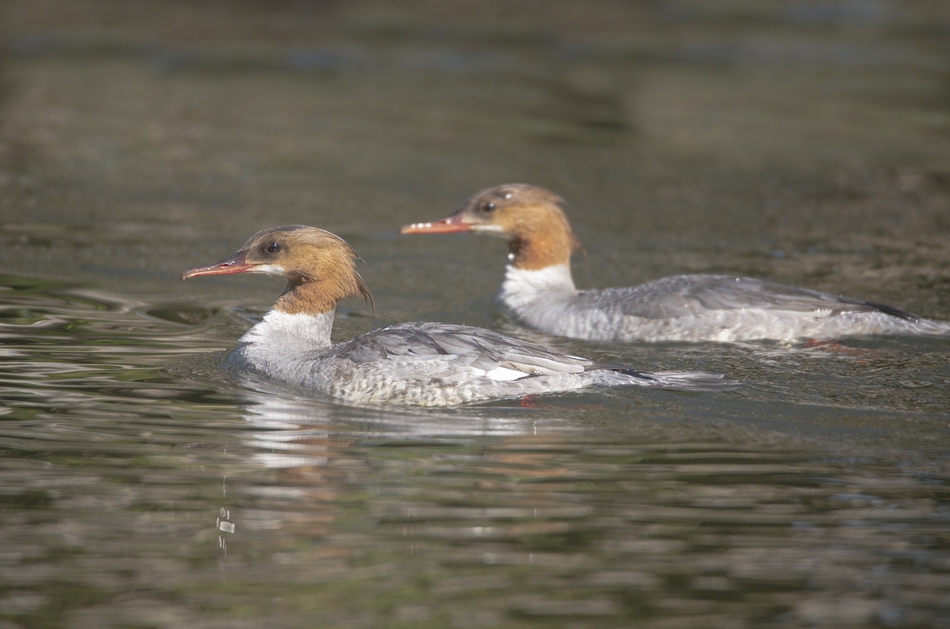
column 189, row 495
column 657, row 522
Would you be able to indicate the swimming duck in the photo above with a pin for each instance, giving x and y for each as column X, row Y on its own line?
column 539, row 291
column 428, row 364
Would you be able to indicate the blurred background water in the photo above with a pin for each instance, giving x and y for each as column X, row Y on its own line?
column 145, row 484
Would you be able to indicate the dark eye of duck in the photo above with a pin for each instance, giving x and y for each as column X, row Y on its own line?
column 272, row 248
column 489, row 207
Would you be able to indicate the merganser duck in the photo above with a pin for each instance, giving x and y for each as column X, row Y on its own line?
column 539, row 291
column 429, row 364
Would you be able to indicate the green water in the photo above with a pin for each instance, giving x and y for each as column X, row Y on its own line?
column 145, row 483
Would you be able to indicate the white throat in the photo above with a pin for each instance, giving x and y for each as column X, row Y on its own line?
column 521, row 287
column 281, row 339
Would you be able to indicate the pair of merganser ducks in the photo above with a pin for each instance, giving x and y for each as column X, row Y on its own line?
column 429, row 364
column 436, row 364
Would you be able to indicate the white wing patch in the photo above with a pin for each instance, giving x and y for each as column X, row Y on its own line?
column 504, row 374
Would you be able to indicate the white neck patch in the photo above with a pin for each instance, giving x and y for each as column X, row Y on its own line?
column 521, row 285
column 280, row 333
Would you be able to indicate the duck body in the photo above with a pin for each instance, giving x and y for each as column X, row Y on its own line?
column 538, row 289
column 719, row 308
column 426, row 364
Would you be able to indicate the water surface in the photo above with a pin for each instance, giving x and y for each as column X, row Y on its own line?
column 143, row 482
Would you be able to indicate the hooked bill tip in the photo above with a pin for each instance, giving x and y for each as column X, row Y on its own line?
column 228, row 267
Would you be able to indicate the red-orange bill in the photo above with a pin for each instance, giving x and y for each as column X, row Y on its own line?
column 234, row 264
column 448, row 225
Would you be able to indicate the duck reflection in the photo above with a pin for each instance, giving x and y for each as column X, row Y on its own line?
column 483, row 475
column 294, row 428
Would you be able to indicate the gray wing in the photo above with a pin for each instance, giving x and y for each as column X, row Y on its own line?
column 462, row 345
column 685, row 295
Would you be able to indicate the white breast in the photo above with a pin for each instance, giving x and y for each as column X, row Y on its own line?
column 276, row 345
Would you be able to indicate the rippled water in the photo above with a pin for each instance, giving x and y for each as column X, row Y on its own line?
column 145, row 483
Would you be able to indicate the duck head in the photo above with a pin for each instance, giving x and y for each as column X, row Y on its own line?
column 320, row 267
column 530, row 218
